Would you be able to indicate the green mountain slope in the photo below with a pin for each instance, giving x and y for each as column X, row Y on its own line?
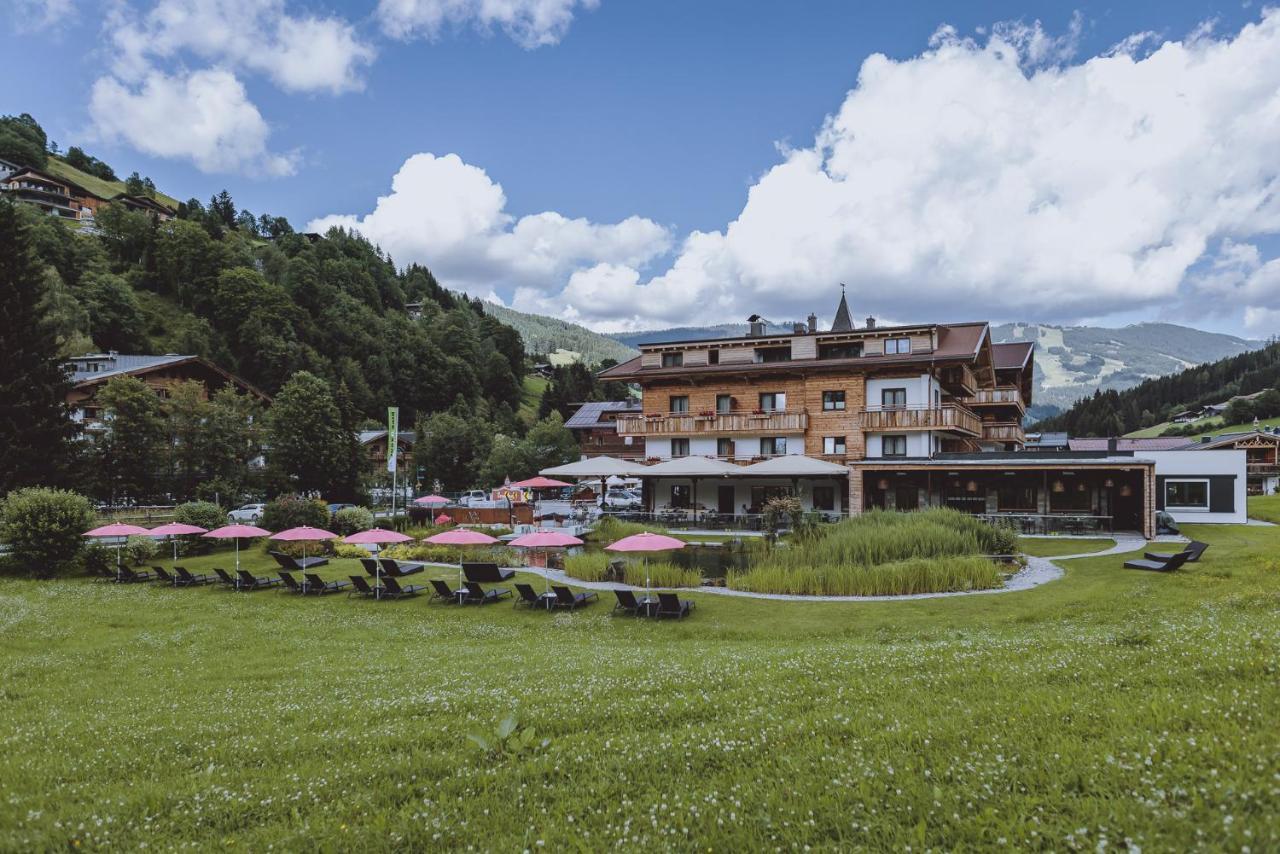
column 94, row 184
column 547, row 335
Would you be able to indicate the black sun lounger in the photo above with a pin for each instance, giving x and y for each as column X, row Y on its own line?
column 187, row 579
column 629, row 604
column 226, row 579
column 486, row 573
column 361, row 587
column 291, row 584
column 1159, row 565
column 566, row 598
column 132, row 576
column 297, row 564
column 248, row 581
column 533, row 599
column 1193, row 549
column 317, row 586
column 395, row 591
column 444, row 593
column 399, row 568
column 164, row 575
column 477, row 595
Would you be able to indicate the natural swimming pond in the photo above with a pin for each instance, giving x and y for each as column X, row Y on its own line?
column 713, row 560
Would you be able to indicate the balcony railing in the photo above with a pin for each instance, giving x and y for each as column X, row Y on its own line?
column 777, row 421
column 1003, row 431
column 1262, row 468
column 959, row 378
column 946, row 417
column 1003, row 396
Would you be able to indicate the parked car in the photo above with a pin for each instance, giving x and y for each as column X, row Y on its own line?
column 334, row 508
column 480, row 498
column 621, row 499
column 248, row 514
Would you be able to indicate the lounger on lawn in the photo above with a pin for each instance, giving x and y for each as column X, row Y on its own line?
column 132, row 576
column 671, row 605
column 444, row 593
column 164, row 575
column 486, row 573
column 629, row 604
column 248, row 581
column 533, row 599
column 1159, row 565
column 477, row 595
column 291, row 584
column 363, row 588
column 1193, row 549
column 297, row 564
column 226, row 579
column 370, row 566
column 399, row 568
column 317, row 586
column 395, row 591
column 566, row 598
column 187, row 579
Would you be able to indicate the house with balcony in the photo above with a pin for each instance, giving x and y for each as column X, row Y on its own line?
column 54, row 196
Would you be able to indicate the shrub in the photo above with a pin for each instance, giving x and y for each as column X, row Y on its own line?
column 139, row 550
column 294, row 511
column 206, row 514
column 453, row 554
column 44, row 528
column 783, row 511
column 349, row 520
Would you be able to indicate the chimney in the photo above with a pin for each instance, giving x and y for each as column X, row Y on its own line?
column 813, row 323
column 799, row 328
column 871, row 323
column 758, row 327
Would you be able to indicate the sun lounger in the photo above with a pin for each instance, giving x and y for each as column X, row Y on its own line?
column 629, row 604
column 444, row 593
column 249, row 582
column 317, row 586
column 1193, row 549
column 566, row 598
column 395, row 591
column 187, row 579
column 671, row 605
column 370, row 566
column 400, row 568
column 361, row 587
column 164, row 575
column 533, row 599
column 486, row 573
column 226, row 579
column 297, row 564
column 477, row 595
column 1159, row 565
column 128, row 575
column 291, row 584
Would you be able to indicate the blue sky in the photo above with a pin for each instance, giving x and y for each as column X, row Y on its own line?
column 665, row 112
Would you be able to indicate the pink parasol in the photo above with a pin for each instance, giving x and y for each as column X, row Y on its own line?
column 442, row 519
column 645, row 542
column 173, row 530
column 236, row 532
column 539, row 483
column 376, row 536
column 461, row 537
column 305, row 534
column 545, row 540
column 430, row 500
column 117, row 529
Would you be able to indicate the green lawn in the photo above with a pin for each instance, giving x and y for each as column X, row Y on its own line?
column 1265, row 507
column 96, row 185
column 531, row 389
column 1206, row 427
column 1049, row 547
column 1106, row 709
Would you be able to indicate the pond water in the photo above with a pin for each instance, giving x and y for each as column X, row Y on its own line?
column 714, row 560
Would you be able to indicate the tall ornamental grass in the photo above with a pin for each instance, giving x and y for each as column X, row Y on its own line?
column 609, row 529
column 899, row 578
column 594, row 567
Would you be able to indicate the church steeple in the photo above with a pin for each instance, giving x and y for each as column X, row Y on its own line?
column 843, row 322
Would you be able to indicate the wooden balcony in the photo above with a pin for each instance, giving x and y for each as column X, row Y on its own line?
column 959, row 379
column 777, row 422
column 1262, row 469
column 998, row 397
column 947, row 418
column 1003, row 431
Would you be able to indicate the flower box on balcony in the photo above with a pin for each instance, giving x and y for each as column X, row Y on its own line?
column 706, row 413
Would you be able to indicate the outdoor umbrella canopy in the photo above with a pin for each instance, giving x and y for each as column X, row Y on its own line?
column 376, row 537
column 645, row 542
column 117, row 529
column 430, row 500
column 545, row 540
column 237, row 532
column 461, row 537
column 173, row 530
column 540, row 483
column 304, row 534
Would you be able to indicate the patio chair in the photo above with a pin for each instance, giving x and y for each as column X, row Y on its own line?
column 128, row 575
column 629, row 604
column 291, row 584
column 361, row 587
column 532, row 599
column 400, row 568
column 444, row 593
column 225, row 578
column 1193, row 549
column 477, row 595
column 566, row 598
column 188, row 579
column 395, row 591
column 249, row 582
column 164, row 575
column 671, row 605
column 319, row 587
column 1159, row 565
column 486, row 573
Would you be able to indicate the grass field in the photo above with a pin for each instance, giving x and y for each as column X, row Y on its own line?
column 531, row 389
column 1265, row 507
column 1051, row 547
column 94, row 184
column 1107, row 709
column 1206, row 427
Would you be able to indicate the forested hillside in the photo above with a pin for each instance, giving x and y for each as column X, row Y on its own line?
column 1113, row 413
column 544, row 335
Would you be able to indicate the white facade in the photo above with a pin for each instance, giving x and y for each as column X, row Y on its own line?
column 709, row 492
column 918, row 443
column 1185, row 476
column 921, row 392
column 744, row 448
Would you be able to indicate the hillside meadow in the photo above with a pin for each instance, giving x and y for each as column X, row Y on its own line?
column 1108, row 709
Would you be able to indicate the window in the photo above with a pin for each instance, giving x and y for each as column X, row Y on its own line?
column 824, row 498
column 893, row 398
column 844, row 350
column 833, row 401
column 1186, row 495
column 680, row 495
column 1013, row 497
column 673, row 360
column 833, row 444
column 724, row 448
column 773, row 354
column 895, row 346
column 679, row 448
column 893, row 446
column 713, row 357
column 724, row 403
column 679, row 403
column 773, row 446
column 772, row 401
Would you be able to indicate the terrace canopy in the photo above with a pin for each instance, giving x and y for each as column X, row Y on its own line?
column 597, row 467
column 692, row 467
column 794, row 465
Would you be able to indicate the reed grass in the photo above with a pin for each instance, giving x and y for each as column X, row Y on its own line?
column 609, row 529
column 594, row 567
column 899, row 578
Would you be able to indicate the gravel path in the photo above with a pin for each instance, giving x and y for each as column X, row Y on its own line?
column 1039, row 570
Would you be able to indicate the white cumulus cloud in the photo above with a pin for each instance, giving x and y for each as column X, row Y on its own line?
column 204, row 116
column 530, row 23
column 452, row 216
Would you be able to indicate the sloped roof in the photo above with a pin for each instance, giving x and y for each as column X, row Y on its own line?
column 1153, row 443
column 842, row 321
column 1230, row 439
column 595, row 467
column 367, row 436
column 692, row 467
column 119, row 364
column 591, row 414
column 794, row 465
column 1012, row 354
